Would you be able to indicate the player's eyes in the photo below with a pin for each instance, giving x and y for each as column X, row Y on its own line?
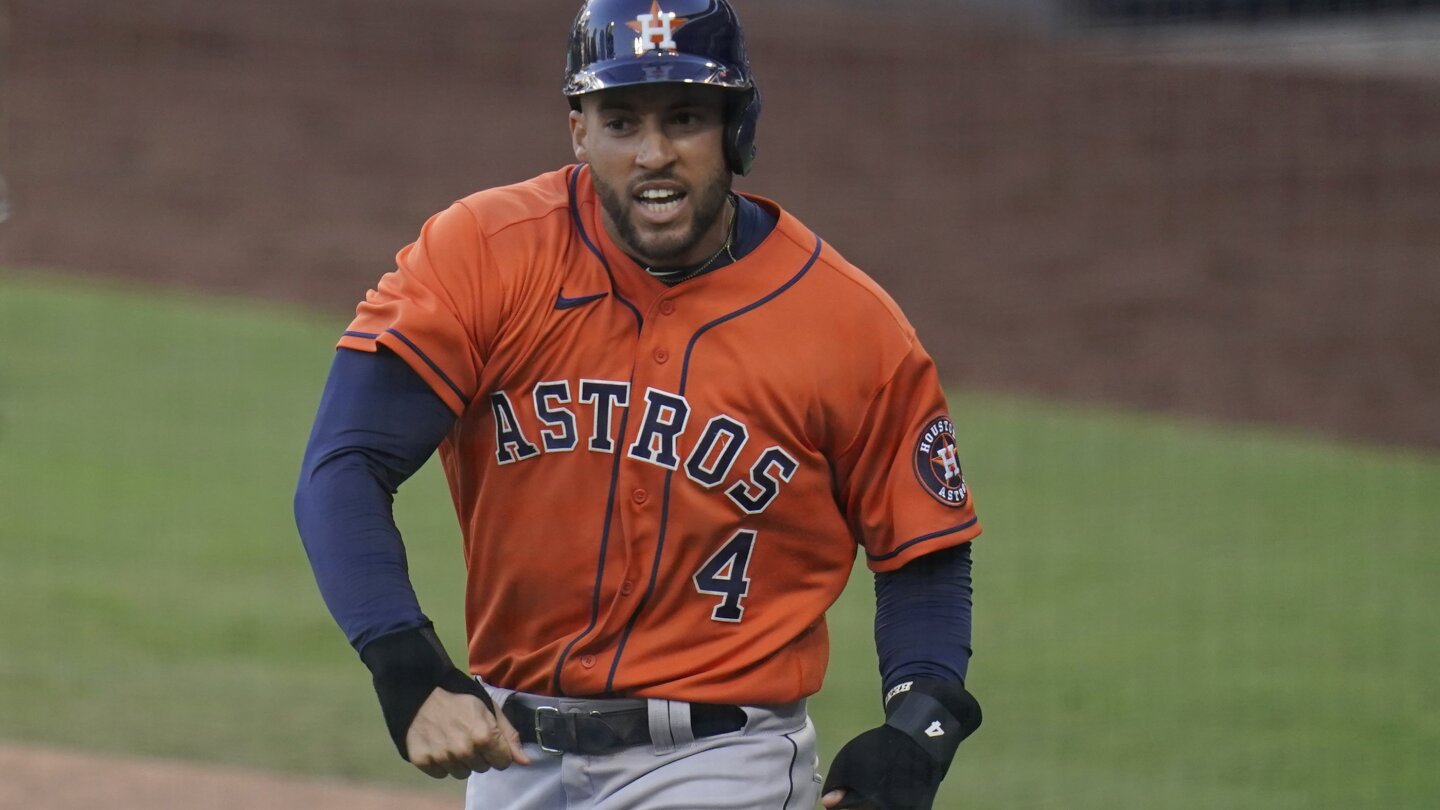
column 688, row 118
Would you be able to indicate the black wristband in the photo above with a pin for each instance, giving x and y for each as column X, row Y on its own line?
column 406, row 667
column 938, row 715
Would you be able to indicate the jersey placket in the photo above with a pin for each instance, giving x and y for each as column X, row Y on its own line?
column 658, row 435
column 650, row 452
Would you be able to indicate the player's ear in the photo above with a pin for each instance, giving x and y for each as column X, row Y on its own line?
column 578, row 131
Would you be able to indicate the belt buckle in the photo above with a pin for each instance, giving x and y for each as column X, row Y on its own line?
column 540, row 712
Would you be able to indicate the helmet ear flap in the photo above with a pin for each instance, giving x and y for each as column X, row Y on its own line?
column 741, row 120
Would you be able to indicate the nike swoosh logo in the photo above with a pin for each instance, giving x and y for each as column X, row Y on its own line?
column 561, row 302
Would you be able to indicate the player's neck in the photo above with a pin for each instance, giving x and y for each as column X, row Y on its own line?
column 718, row 249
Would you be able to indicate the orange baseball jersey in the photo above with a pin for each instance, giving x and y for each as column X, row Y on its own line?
column 661, row 489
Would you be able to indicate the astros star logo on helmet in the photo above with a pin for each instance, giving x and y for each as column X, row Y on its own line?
column 656, row 29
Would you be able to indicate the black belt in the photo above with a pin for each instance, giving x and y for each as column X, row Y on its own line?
column 584, row 730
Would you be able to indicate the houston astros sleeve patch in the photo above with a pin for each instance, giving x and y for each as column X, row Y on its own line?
column 937, row 463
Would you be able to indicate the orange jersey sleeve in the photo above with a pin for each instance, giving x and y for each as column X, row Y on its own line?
column 431, row 310
column 900, row 481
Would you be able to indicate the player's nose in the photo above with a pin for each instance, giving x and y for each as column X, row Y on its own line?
column 656, row 149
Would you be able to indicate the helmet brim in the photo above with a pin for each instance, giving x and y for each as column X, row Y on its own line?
column 674, row 67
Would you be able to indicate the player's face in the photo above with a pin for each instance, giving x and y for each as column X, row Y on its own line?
column 656, row 152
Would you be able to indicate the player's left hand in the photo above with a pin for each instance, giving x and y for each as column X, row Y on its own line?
column 837, row 798
column 882, row 769
column 846, row 801
column 899, row 766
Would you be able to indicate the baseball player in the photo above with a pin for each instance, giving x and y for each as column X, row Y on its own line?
column 670, row 416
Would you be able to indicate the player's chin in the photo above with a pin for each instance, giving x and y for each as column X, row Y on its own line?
column 662, row 244
column 667, row 249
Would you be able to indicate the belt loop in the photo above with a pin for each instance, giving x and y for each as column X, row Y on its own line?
column 498, row 694
column 658, row 712
column 681, row 730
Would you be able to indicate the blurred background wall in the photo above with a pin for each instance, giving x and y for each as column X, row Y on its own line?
column 1221, row 208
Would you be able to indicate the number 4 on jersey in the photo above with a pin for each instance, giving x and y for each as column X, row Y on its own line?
column 724, row 575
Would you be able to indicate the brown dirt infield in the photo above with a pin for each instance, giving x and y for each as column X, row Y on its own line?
column 48, row 779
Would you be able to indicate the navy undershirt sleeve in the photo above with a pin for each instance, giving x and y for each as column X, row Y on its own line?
column 922, row 618
column 377, row 424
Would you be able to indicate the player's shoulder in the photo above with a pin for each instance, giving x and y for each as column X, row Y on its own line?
column 847, row 293
column 501, row 233
column 859, row 289
column 528, row 205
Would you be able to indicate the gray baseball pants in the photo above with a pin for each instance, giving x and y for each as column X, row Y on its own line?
column 770, row 764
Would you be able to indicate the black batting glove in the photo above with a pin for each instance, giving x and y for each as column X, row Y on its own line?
column 406, row 667
column 899, row 765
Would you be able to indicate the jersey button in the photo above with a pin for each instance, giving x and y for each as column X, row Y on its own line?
column 626, row 587
column 639, row 496
column 667, row 307
column 587, row 661
column 661, row 355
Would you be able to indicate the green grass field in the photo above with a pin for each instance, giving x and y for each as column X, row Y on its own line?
column 1168, row 616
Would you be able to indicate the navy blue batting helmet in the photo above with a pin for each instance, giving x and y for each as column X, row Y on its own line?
column 622, row 42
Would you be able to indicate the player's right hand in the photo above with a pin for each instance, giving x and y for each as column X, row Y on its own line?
column 440, row 719
column 457, row 734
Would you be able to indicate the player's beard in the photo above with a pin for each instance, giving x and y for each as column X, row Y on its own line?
column 665, row 249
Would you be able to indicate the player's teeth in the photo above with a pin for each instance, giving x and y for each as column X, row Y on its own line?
column 660, row 200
